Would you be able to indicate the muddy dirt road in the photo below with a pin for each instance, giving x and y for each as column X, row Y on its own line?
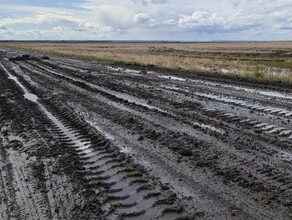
column 85, row 140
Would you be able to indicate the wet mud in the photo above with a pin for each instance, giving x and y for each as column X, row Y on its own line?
column 85, row 140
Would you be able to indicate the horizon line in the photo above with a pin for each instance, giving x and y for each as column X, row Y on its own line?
column 147, row 41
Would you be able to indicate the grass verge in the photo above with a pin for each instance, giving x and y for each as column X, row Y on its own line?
column 274, row 71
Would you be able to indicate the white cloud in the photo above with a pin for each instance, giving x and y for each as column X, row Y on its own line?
column 41, row 18
column 201, row 18
column 170, row 22
column 141, row 18
column 151, row 19
column 56, row 33
column 235, row 3
column 144, row 18
column 159, row 1
column 152, row 2
column 76, row 24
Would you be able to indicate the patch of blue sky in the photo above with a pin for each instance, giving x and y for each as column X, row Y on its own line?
column 44, row 3
column 24, row 27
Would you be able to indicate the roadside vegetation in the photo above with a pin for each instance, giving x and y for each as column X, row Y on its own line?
column 259, row 60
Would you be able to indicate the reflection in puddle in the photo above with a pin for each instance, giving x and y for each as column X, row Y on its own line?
column 250, row 90
column 209, row 127
column 173, row 78
column 261, row 92
column 225, row 99
column 27, row 94
column 247, row 104
column 123, row 70
column 31, row 97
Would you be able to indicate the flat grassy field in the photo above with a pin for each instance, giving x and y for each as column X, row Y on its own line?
column 261, row 60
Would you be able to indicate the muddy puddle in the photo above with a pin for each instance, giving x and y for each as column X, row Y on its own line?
column 126, row 97
column 209, row 127
column 172, row 78
column 274, row 94
column 31, row 97
column 218, row 149
column 250, row 90
column 254, row 106
column 103, row 168
column 27, row 94
column 124, row 70
column 243, row 103
column 268, row 93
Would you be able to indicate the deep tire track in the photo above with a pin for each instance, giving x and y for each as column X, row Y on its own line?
column 242, row 182
column 122, row 190
column 244, row 148
column 100, row 160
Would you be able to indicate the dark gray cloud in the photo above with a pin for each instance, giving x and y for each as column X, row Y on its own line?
column 3, row 28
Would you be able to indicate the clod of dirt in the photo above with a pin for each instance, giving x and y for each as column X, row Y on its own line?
column 185, row 152
column 141, row 138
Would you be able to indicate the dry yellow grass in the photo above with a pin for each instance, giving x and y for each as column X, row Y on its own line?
column 269, row 60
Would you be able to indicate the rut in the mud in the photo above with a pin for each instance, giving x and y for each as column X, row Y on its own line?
column 125, row 189
column 194, row 145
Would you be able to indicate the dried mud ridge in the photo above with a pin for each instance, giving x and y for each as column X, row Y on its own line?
column 144, row 144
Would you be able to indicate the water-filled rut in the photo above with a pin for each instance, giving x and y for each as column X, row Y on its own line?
column 221, row 147
column 130, row 192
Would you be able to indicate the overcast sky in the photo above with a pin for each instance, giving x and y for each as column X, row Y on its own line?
column 178, row 20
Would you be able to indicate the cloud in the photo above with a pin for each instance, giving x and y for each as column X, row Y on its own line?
column 235, row 3
column 144, row 19
column 3, row 28
column 170, row 22
column 153, row 2
column 147, row 19
column 56, row 33
column 41, row 18
column 141, row 18
column 159, row 1
column 76, row 24
column 201, row 19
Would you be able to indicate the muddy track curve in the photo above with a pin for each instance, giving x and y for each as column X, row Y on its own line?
column 156, row 145
column 125, row 188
